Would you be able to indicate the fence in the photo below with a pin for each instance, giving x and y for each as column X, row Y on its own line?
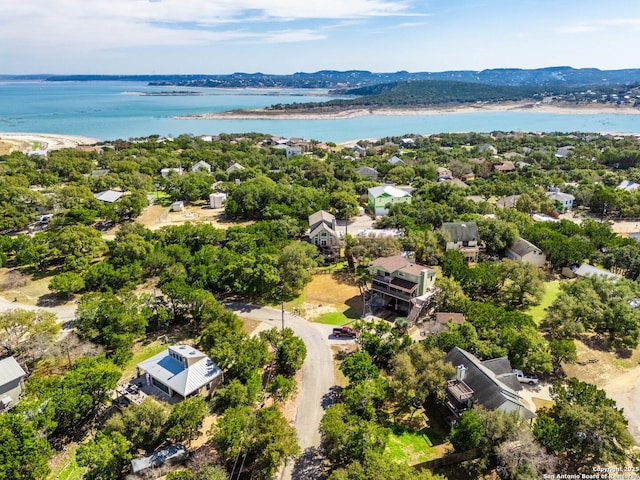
column 449, row 459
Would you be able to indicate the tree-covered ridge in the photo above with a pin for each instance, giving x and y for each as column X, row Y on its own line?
column 441, row 92
column 561, row 75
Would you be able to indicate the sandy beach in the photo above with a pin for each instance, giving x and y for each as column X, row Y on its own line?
column 26, row 142
column 335, row 113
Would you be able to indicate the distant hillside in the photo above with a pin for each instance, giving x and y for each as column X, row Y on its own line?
column 436, row 92
column 331, row 79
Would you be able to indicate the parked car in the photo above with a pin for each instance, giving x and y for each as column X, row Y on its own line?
column 346, row 332
column 524, row 378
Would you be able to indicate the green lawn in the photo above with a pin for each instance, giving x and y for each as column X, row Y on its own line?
column 68, row 469
column 143, row 353
column 552, row 289
column 409, row 447
column 334, row 318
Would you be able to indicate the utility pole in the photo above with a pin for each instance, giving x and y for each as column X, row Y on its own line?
column 282, row 316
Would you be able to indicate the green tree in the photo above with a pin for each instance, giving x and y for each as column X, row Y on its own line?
column 67, row 283
column 295, row 265
column 584, row 425
column 23, row 452
column 496, row 234
column 104, row 456
column 142, row 425
column 377, row 467
column 281, row 388
column 358, row 366
column 418, row 374
column 182, row 474
column 78, row 245
column 523, row 283
column 186, row 419
column 20, row 328
column 347, row 437
column 211, row 472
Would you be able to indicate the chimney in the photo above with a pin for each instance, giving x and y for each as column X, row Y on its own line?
column 461, row 372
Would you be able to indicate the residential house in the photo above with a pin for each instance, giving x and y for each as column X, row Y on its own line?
column 487, row 148
column 167, row 456
column 490, row 383
column 475, row 198
column 565, row 199
column 503, row 167
column 359, row 151
column 465, row 177
column 40, row 152
column 323, row 233
column 367, row 172
column 407, row 142
column 508, row 202
column 216, row 200
column 586, row 270
column 11, row 383
column 463, row 236
column 182, row 371
column 564, row 152
column 634, row 235
column 454, row 181
column 165, row 172
column 397, row 161
column 525, row 251
column 109, row 196
column 289, row 151
column 628, row 185
column 543, row 217
column 444, row 173
column 201, row 165
column 397, row 282
column 379, row 198
column 440, row 321
column 177, row 206
column 235, row 167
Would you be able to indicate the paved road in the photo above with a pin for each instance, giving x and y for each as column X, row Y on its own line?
column 316, row 386
column 64, row 313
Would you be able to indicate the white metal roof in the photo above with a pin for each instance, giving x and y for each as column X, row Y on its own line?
column 10, row 370
column 182, row 377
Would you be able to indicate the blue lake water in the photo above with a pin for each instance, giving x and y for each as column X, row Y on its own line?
column 111, row 110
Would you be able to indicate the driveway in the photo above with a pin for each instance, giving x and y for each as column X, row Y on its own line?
column 316, row 386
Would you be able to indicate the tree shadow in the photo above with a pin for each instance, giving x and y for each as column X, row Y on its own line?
column 311, row 464
column 51, row 300
column 331, row 397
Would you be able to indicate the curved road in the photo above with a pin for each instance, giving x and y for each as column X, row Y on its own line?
column 317, row 375
column 315, row 388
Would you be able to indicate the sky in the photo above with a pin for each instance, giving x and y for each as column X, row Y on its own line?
column 286, row 36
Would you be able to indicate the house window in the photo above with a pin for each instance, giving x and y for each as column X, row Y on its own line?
column 161, row 386
column 323, row 242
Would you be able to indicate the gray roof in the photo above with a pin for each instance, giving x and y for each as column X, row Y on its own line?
column 635, row 236
column 366, row 171
column 560, row 196
column 181, row 378
column 323, row 226
column 10, row 371
column 109, row 196
column 586, row 270
column 509, row 201
column 494, row 385
column 156, row 458
column 628, row 185
column 521, row 247
column 461, row 231
column 396, row 161
column 321, row 216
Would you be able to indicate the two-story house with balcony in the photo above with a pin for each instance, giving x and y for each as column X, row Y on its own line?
column 323, row 233
column 379, row 198
column 490, row 383
column 397, row 283
column 463, row 236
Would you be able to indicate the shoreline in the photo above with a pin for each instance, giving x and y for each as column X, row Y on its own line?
column 336, row 113
column 26, row 142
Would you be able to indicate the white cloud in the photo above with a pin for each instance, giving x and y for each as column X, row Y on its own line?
column 108, row 24
column 599, row 25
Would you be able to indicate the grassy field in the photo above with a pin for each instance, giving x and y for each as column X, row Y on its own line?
column 404, row 446
column 142, row 353
column 67, row 469
column 552, row 289
column 331, row 298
